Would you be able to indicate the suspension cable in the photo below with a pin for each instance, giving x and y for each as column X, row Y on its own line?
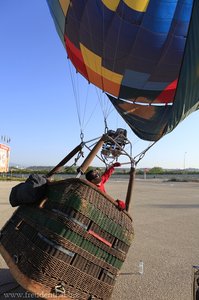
column 142, row 154
column 75, row 95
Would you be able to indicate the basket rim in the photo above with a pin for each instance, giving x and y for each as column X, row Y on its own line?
column 91, row 185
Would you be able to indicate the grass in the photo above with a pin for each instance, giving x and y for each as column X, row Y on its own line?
column 5, row 178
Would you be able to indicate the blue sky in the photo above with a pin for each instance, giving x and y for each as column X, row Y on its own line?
column 37, row 103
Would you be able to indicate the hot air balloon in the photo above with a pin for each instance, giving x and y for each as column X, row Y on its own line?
column 144, row 56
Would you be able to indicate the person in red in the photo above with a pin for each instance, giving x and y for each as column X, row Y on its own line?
column 99, row 180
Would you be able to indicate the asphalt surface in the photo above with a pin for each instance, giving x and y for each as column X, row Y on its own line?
column 166, row 221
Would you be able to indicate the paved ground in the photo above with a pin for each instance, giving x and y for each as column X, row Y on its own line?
column 166, row 222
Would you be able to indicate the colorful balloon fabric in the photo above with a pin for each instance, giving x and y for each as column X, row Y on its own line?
column 143, row 54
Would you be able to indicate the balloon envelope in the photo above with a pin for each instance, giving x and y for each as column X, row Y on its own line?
column 143, row 54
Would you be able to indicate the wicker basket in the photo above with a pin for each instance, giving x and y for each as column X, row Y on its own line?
column 72, row 246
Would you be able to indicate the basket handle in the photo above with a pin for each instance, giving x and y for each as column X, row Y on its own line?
column 130, row 187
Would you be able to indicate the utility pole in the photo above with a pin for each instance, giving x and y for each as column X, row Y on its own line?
column 184, row 160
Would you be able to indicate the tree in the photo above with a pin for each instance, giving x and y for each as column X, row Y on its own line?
column 156, row 170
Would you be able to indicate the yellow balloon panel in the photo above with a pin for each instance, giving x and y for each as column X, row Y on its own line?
column 111, row 4
column 137, row 5
column 64, row 5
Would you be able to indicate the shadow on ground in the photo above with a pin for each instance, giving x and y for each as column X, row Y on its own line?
column 10, row 289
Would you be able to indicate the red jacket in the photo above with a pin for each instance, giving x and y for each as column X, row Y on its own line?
column 105, row 177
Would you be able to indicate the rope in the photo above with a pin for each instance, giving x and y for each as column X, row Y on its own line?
column 75, row 95
column 142, row 154
column 81, row 111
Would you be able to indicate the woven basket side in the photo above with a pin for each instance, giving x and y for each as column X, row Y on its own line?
column 77, row 232
column 31, row 231
column 92, row 194
column 40, row 219
column 96, row 207
column 48, row 268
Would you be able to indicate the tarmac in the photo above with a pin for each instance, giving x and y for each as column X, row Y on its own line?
column 166, row 221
